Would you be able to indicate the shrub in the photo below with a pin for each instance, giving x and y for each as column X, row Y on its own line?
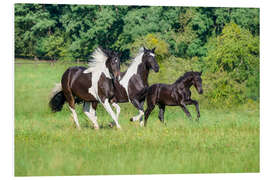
column 234, row 57
column 151, row 41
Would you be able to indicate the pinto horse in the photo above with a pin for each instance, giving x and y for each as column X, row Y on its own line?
column 92, row 85
column 176, row 94
column 133, row 83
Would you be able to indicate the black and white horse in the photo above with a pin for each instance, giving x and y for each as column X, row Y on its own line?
column 133, row 84
column 92, row 85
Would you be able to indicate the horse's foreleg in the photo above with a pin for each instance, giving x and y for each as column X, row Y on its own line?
column 147, row 113
column 108, row 108
column 118, row 109
column 90, row 112
column 196, row 104
column 151, row 101
column 139, row 106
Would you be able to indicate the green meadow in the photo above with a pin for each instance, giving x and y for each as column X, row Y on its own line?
column 225, row 140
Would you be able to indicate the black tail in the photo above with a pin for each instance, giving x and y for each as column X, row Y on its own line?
column 57, row 99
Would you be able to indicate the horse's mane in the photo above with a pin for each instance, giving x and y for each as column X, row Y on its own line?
column 187, row 74
column 137, row 57
column 97, row 62
column 132, row 68
column 135, row 61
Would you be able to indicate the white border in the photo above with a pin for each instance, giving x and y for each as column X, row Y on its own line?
column 7, row 80
column 207, row 3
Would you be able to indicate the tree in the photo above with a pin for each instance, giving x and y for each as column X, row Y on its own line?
column 236, row 52
column 32, row 22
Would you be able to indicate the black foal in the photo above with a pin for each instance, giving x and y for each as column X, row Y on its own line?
column 176, row 94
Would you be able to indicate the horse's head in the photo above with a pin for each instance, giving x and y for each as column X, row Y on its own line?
column 149, row 59
column 197, row 81
column 113, row 63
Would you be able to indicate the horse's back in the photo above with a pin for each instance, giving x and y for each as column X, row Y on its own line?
column 78, row 83
column 162, row 93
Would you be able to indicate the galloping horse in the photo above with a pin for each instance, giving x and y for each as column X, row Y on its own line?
column 91, row 85
column 176, row 94
column 133, row 84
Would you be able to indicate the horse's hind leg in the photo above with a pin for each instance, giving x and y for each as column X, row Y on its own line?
column 161, row 112
column 90, row 112
column 71, row 103
column 75, row 118
column 183, row 106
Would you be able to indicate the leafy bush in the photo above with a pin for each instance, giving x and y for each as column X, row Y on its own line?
column 235, row 55
column 151, row 41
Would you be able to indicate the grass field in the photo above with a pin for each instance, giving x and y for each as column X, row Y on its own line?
column 46, row 143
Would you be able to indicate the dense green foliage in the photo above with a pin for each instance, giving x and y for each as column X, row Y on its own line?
column 223, row 42
column 48, row 144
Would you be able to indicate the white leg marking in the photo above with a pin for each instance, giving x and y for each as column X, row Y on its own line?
column 136, row 118
column 108, row 108
column 118, row 109
column 90, row 113
column 75, row 118
column 142, row 123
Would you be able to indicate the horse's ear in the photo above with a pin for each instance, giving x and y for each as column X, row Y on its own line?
column 142, row 49
column 153, row 50
column 103, row 50
column 119, row 54
column 200, row 73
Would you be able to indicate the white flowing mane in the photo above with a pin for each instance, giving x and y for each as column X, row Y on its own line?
column 97, row 66
column 132, row 69
column 97, row 63
column 137, row 60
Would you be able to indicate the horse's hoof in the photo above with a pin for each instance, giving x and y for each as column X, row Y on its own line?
column 111, row 124
column 131, row 119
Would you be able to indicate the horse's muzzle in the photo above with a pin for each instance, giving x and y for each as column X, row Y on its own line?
column 156, row 69
column 117, row 75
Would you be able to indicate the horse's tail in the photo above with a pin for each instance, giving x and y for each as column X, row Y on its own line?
column 57, row 99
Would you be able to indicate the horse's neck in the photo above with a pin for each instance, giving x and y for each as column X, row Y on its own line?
column 119, row 92
column 186, row 83
column 143, row 72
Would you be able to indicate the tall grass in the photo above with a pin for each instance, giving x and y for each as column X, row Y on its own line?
column 46, row 143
